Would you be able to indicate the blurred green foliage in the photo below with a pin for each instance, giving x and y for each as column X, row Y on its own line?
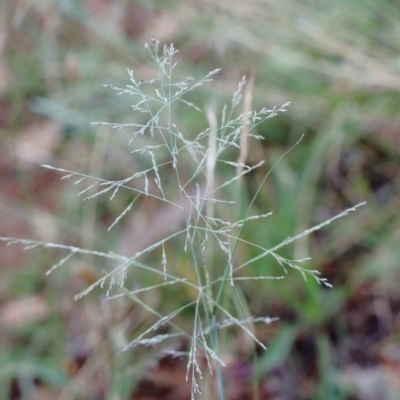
column 337, row 62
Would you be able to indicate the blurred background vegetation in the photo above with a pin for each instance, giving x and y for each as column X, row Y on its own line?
column 337, row 62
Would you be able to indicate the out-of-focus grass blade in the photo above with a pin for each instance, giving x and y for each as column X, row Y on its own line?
column 278, row 349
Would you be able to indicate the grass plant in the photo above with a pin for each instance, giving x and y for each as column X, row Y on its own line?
column 214, row 214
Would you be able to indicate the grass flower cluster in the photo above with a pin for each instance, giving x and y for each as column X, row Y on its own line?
column 187, row 164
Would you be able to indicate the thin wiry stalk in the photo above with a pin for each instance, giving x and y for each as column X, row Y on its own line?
column 300, row 235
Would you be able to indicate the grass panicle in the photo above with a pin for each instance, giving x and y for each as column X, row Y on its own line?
column 195, row 161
